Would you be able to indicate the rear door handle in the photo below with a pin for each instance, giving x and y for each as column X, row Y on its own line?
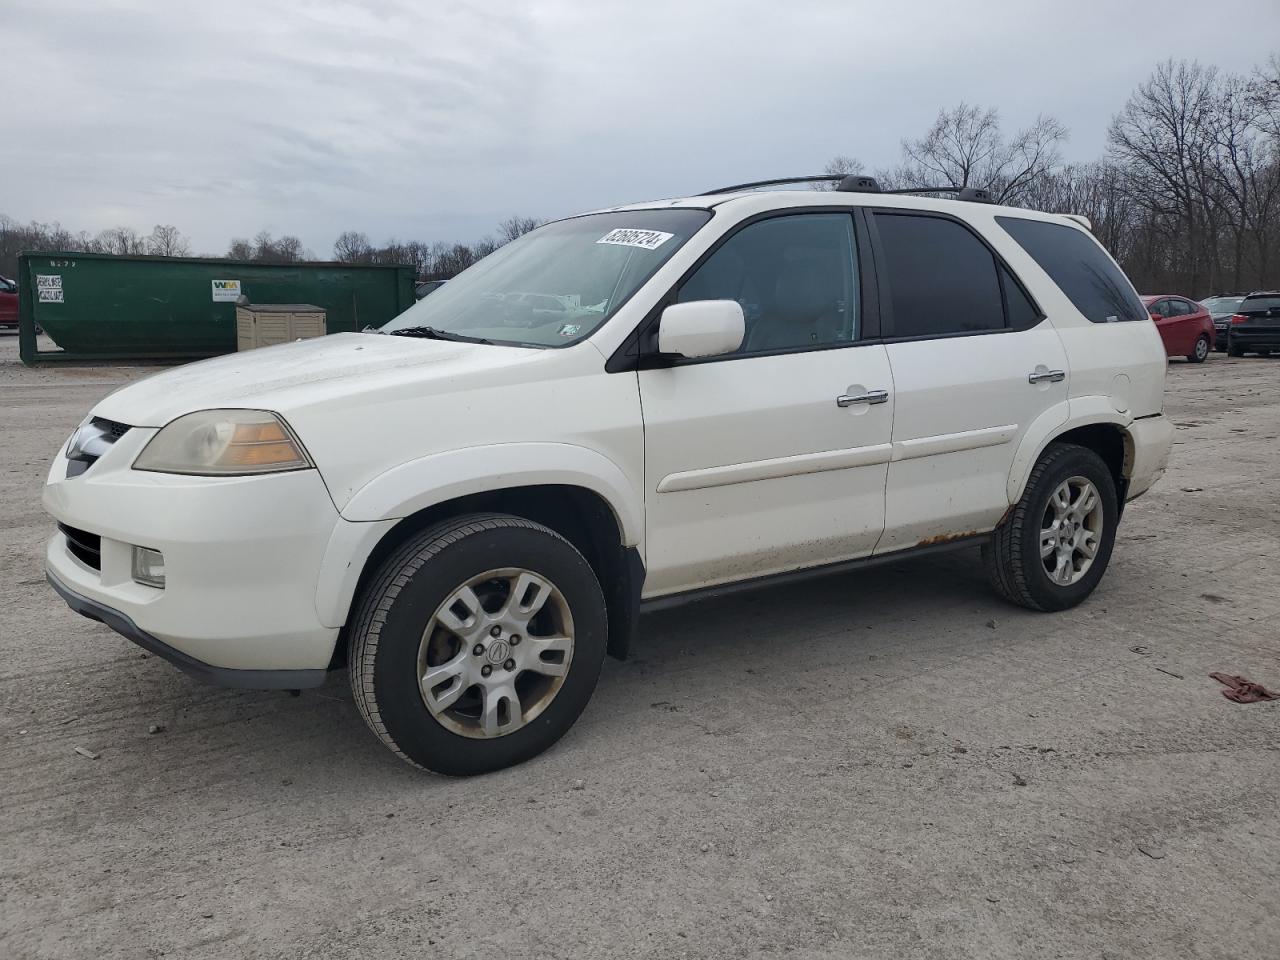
column 1046, row 376
column 871, row 396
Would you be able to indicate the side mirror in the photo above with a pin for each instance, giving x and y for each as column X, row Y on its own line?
column 704, row 328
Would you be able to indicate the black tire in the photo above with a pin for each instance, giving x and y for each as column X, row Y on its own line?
column 1233, row 350
column 402, row 597
column 1200, row 353
column 1265, row 352
column 1012, row 554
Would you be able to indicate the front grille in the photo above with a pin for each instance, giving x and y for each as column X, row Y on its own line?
column 84, row 546
column 91, row 442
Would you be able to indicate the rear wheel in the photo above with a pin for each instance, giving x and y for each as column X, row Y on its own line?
column 1200, row 352
column 1233, row 350
column 1055, row 546
column 478, row 644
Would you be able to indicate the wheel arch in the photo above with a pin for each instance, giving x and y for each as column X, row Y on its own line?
column 1104, row 431
column 578, row 513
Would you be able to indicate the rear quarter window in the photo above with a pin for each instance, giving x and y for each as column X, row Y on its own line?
column 1080, row 267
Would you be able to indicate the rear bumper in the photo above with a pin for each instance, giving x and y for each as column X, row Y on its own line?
column 205, row 672
column 1152, row 439
column 1245, row 339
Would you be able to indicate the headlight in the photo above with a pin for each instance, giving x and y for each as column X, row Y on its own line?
column 224, row 443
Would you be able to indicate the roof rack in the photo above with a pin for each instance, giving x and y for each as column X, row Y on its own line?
column 869, row 184
column 972, row 194
column 856, row 183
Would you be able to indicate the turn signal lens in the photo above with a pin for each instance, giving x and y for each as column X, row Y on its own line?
column 224, row 443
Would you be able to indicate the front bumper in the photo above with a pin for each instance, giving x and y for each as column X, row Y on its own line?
column 242, row 558
column 1152, row 439
column 218, row 676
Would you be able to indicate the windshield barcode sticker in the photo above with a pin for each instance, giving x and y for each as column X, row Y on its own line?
column 645, row 239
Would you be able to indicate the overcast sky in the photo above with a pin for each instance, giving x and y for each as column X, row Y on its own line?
column 430, row 120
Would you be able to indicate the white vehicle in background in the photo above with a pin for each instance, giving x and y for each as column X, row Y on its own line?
column 733, row 388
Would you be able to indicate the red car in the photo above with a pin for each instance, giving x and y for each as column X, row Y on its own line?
column 8, row 304
column 1185, row 326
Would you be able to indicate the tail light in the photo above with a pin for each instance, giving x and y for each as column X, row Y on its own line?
column 1239, row 318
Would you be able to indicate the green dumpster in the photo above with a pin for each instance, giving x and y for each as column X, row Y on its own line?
column 100, row 307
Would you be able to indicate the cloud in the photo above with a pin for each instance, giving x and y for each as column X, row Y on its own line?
column 436, row 120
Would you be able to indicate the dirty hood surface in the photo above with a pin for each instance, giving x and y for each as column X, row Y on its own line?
column 290, row 375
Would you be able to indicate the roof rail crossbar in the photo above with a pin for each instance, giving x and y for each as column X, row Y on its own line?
column 974, row 194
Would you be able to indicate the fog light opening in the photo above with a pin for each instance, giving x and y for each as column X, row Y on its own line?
column 148, row 567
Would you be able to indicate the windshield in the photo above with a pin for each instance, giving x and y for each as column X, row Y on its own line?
column 1221, row 304
column 557, row 284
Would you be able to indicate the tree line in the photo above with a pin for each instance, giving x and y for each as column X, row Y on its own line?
column 431, row 261
column 1186, row 196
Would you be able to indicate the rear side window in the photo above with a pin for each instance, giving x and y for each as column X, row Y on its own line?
column 1023, row 314
column 1080, row 268
column 941, row 278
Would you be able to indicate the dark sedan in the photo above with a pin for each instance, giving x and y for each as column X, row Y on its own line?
column 1255, row 326
column 1221, row 307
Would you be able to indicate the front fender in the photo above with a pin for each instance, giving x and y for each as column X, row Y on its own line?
column 433, row 479
column 404, row 490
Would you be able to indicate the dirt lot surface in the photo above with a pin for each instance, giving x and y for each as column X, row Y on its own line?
column 885, row 764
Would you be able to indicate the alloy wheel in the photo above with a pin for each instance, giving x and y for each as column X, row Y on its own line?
column 1071, row 531
column 495, row 653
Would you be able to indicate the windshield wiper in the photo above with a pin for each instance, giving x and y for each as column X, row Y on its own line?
column 434, row 333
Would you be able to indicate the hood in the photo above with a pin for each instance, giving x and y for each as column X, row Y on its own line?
column 284, row 377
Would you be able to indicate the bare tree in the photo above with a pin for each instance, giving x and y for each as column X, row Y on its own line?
column 965, row 148
column 167, row 241
column 289, row 249
column 1164, row 136
column 240, row 249
column 120, row 241
column 513, row 228
column 352, row 247
column 839, row 166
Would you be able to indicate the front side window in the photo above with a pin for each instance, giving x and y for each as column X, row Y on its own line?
column 1079, row 266
column 555, row 285
column 794, row 277
column 941, row 278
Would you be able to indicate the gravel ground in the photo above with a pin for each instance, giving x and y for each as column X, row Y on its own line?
column 883, row 764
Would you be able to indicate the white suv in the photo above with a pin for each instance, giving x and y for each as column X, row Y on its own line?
column 618, row 410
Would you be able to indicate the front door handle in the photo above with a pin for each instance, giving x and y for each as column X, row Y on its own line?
column 871, row 396
column 1046, row 376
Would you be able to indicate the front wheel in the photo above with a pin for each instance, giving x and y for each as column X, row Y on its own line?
column 1200, row 352
column 1054, row 547
column 477, row 644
